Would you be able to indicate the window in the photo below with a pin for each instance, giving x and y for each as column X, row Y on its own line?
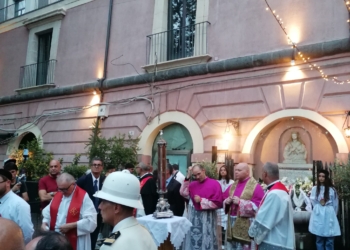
column 20, row 7
column 44, row 47
column 179, row 34
column 42, row 3
column 2, row 10
column 181, row 27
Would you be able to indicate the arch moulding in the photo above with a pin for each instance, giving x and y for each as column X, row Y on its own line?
column 250, row 143
column 151, row 131
column 21, row 132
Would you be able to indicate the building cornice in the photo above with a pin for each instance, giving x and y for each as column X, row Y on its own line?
column 266, row 59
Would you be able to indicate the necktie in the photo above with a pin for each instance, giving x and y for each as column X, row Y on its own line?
column 95, row 198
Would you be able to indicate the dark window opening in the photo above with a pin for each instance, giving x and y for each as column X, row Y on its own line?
column 44, row 47
column 181, row 26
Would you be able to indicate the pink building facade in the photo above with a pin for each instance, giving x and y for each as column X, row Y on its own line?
column 220, row 64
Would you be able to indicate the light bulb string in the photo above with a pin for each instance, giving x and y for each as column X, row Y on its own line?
column 299, row 52
column 347, row 5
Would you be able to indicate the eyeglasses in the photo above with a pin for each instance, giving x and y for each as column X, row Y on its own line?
column 63, row 190
column 97, row 165
column 55, row 166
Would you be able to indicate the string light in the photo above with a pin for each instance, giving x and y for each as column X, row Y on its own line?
column 347, row 5
column 299, row 53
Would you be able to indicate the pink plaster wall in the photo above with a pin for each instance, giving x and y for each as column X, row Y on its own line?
column 12, row 57
column 240, row 28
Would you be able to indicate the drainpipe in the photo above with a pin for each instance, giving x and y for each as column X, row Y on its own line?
column 102, row 80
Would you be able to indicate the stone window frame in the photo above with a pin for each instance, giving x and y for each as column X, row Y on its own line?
column 160, row 24
column 36, row 26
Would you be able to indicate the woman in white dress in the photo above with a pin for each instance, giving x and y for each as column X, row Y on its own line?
column 323, row 222
column 225, row 182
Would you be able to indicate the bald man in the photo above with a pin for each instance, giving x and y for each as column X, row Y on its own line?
column 11, row 237
column 48, row 185
column 241, row 201
column 32, row 244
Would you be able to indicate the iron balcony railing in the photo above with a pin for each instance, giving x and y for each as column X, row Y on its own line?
column 178, row 43
column 22, row 7
column 37, row 74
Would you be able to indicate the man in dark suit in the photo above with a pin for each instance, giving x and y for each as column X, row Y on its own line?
column 91, row 183
column 148, row 188
column 175, row 199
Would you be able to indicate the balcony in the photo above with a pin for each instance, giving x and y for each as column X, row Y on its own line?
column 180, row 47
column 37, row 76
column 22, row 7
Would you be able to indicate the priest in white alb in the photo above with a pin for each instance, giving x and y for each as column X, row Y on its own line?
column 273, row 227
column 71, row 212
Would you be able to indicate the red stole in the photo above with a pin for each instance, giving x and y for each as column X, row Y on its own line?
column 143, row 181
column 276, row 186
column 73, row 213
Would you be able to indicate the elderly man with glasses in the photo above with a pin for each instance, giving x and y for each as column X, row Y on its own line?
column 92, row 183
column 71, row 212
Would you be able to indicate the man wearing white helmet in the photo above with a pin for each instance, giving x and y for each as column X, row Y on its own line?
column 119, row 195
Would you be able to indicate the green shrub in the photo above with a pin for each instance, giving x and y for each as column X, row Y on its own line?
column 341, row 178
column 115, row 151
column 37, row 164
column 75, row 169
column 210, row 169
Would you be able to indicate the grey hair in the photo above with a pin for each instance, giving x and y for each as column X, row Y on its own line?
column 65, row 177
column 272, row 170
column 144, row 166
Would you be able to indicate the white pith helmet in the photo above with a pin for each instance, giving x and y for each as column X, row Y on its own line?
column 121, row 188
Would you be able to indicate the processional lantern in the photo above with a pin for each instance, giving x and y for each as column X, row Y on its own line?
column 163, row 207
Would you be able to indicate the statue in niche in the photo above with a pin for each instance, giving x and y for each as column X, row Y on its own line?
column 295, row 150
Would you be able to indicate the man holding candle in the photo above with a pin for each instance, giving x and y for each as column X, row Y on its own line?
column 206, row 196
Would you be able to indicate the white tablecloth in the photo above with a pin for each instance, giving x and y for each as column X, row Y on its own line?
column 160, row 228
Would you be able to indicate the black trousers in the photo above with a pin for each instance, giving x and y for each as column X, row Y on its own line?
column 95, row 233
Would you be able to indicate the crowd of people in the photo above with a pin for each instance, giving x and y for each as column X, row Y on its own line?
column 225, row 213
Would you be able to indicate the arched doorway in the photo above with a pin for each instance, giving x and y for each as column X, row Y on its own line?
column 25, row 139
column 179, row 146
column 25, row 133
column 272, row 140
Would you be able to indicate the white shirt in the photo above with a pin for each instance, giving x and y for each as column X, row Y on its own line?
column 273, row 225
column 14, row 208
column 98, row 181
column 85, row 225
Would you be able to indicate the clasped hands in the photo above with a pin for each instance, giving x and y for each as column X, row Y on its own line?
column 63, row 228
column 197, row 198
column 234, row 200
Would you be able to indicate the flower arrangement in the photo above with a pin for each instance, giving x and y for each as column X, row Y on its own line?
column 304, row 184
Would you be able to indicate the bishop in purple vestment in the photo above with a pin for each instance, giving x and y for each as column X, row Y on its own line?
column 205, row 197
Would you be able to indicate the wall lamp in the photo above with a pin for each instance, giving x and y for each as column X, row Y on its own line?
column 235, row 124
column 347, row 129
